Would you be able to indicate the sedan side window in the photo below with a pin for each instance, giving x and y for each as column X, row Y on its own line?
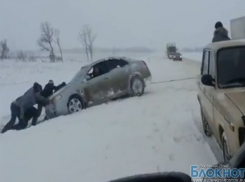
column 205, row 63
column 97, row 70
column 122, row 62
column 114, row 63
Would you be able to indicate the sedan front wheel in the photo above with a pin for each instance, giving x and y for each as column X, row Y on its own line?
column 75, row 104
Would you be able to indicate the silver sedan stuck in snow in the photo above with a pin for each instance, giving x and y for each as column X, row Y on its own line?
column 98, row 83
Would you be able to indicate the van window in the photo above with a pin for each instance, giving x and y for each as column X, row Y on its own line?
column 212, row 64
column 205, row 63
column 231, row 66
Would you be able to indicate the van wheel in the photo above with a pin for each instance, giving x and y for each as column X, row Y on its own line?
column 75, row 104
column 206, row 127
column 225, row 147
column 137, row 86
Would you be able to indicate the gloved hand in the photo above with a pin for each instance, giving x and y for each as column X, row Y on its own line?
column 51, row 101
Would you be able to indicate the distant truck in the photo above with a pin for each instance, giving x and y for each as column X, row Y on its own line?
column 172, row 52
column 238, row 28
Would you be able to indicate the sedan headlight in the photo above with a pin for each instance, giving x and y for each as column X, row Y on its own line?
column 58, row 97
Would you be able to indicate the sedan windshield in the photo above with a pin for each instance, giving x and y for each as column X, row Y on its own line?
column 80, row 74
column 231, row 67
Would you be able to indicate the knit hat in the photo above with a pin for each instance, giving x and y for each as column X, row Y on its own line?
column 37, row 87
column 218, row 25
column 51, row 81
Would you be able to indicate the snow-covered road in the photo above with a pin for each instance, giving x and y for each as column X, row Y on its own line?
column 155, row 132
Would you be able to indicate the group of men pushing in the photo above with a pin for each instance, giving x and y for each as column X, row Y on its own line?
column 23, row 107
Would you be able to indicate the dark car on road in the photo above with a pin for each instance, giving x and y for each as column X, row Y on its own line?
column 176, row 56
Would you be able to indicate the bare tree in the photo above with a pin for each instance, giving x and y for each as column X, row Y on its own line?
column 3, row 49
column 46, row 40
column 21, row 56
column 91, row 39
column 87, row 38
column 57, row 40
column 84, row 41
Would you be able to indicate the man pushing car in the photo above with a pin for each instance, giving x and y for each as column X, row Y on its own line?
column 23, row 108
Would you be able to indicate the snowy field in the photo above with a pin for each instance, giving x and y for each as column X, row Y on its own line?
column 196, row 56
column 152, row 133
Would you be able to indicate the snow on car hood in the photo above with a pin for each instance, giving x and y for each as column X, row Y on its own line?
column 238, row 98
column 59, row 91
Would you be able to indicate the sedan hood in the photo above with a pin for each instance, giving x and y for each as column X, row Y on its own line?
column 238, row 98
column 59, row 91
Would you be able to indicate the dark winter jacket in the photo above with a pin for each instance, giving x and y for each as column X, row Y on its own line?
column 49, row 89
column 28, row 100
column 220, row 34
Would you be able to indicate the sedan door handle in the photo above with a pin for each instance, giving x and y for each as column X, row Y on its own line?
column 106, row 78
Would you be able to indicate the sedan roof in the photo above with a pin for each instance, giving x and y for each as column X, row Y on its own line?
column 109, row 58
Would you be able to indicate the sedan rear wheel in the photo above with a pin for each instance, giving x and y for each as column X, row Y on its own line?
column 75, row 104
column 137, row 87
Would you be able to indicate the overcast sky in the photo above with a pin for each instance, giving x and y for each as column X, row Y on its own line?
column 118, row 23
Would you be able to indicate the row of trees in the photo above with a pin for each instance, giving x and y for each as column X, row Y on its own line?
column 4, row 53
column 49, row 38
column 49, row 35
column 4, row 50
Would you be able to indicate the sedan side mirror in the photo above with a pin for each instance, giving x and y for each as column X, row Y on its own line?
column 207, row 80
